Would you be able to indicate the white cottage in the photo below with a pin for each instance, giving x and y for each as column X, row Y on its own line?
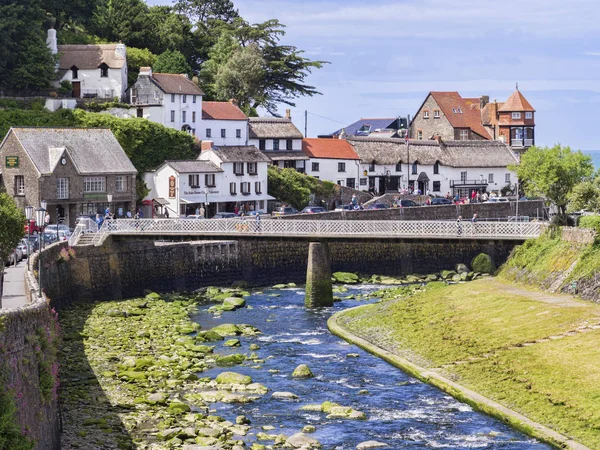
column 224, row 123
column 333, row 160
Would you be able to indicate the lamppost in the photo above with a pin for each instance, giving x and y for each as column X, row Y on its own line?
column 40, row 217
column 206, row 202
column 28, row 216
column 109, row 198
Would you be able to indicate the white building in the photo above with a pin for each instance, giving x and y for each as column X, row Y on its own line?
column 172, row 100
column 278, row 139
column 333, row 160
column 440, row 167
column 224, row 124
column 95, row 71
column 244, row 180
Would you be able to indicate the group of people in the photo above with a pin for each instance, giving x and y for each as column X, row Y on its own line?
column 109, row 215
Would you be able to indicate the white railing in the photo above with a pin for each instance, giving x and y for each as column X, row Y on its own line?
column 528, row 142
column 353, row 229
column 83, row 226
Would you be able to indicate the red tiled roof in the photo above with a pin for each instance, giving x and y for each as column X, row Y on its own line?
column 328, row 148
column 221, row 111
column 516, row 102
column 173, row 83
column 470, row 116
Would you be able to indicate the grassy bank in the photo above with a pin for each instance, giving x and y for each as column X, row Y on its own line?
column 529, row 351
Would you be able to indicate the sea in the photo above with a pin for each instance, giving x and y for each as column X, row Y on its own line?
column 595, row 154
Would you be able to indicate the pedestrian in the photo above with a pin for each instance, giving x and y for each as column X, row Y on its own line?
column 456, row 198
column 459, row 225
column 140, row 213
column 236, row 210
column 484, row 197
column 166, row 213
column 128, row 214
column 354, row 201
column 473, row 195
column 201, row 211
column 448, row 195
column 257, row 223
column 474, row 219
column 99, row 220
column 47, row 219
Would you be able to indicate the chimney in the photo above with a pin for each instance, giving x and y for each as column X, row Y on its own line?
column 233, row 101
column 206, row 145
column 51, row 41
column 438, row 138
column 145, row 72
column 483, row 100
column 288, row 114
column 121, row 51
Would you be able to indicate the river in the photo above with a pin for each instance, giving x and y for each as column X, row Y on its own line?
column 401, row 411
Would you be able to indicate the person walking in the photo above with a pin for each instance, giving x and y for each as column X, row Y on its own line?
column 459, row 225
column 257, row 223
column 201, row 211
column 99, row 220
column 166, row 213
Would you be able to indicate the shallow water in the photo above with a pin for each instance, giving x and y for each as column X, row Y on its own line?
column 402, row 411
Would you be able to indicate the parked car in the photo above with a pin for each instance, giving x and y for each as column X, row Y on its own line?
column 313, row 210
column 11, row 259
column 441, row 201
column 405, row 203
column 60, row 232
column 526, row 199
column 19, row 253
column 284, row 211
column 23, row 246
column 33, row 243
column 497, row 200
column 256, row 213
column 32, row 227
column 195, row 216
column 382, row 206
column 344, row 208
column 225, row 215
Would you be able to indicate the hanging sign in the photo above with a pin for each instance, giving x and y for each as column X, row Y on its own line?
column 171, row 186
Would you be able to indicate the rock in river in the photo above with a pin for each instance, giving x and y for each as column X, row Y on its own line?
column 302, row 371
column 370, row 444
column 301, row 440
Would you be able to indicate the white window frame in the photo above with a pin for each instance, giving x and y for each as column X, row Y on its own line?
column 193, row 116
column 490, row 178
column 315, row 167
column 245, row 188
column 233, row 188
column 183, row 116
column 516, row 115
column 238, row 168
column 252, row 168
column 238, row 133
column 184, row 98
column 121, row 183
column 62, row 188
column 420, row 135
column 194, row 180
column 172, row 115
column 94, row 184
column 507, row 177
column 528, row 115
column 464, row 135
column 341, row 167
column 223, row 132
column 426, row 114
column 436, row 113
column 275, row 144
column 463, row 176
column 258, row 187
column 209, row 180
column 19, row 185
column 208, row 132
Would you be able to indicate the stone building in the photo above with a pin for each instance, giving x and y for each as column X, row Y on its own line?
column 73, row 169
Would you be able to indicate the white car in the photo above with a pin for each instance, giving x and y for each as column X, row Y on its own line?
column 497, row 200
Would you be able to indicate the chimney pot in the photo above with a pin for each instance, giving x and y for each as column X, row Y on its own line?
column 484, row 100
column 51, row 41
column 288, row 114
column 438, row 138
column 121, row 51
column 206, row 145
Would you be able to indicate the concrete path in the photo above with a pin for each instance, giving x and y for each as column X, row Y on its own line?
column 14, row 286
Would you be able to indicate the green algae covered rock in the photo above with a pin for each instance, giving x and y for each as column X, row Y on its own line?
column 208, row 336
column 233, row 378
column 302, row 371
column 345, row 277
column 236, row 302
column 447, row 274
column 232, row 343
column 483, row 263
column 227, row 329
column 230, row 360
column 178, row 408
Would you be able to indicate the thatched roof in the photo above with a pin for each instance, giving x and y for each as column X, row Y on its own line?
column 448, row 153
column 272, row 128
column 89, row 56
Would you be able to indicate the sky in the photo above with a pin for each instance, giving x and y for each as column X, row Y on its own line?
column 385, row 56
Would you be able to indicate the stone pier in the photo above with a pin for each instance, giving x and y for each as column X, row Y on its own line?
column 318, row 276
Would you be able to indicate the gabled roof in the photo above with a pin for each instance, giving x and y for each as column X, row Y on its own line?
column 516, row 102
column 172, row 83
column 461, row 112
column 328, row 149
column 489, row 113
column 239, row 153
column 92, row 150
column 193, row 166
column 221, row 111
column 272, row 128
column 89, row 56
column 372, row 124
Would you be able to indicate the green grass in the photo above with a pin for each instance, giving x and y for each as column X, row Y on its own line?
column 556, row 383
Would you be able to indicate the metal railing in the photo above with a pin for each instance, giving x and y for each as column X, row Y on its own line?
column 350, row 229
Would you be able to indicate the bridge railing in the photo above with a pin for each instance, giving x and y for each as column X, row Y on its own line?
column 325, row 228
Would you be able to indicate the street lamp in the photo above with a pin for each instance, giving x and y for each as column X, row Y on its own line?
column 28, row 216
column 40, row 216
column 206, row 202
column 109, row 197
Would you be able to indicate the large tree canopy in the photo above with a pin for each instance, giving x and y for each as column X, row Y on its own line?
column 171, row 62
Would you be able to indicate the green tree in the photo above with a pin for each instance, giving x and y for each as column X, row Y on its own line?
column 12, row 221
column 586, row 195
column 170, row 31
column 171, row 62
column 552, row 173
column 202, row 11
column 137, row 58
column 294, row 188
column 123, row 20
column 71, row 12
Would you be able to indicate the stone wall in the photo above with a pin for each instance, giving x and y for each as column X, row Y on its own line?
column 582, row 236
column 533, row 209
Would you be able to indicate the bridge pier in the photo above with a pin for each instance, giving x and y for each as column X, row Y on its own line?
column 318, row 276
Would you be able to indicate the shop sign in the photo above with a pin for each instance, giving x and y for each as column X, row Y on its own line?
column 11, row 162
column 171, row 186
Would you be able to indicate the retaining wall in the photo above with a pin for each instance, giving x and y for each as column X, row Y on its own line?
column 584, row 236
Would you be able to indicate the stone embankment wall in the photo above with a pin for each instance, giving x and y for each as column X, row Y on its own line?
column 583, row 236
column 29, row 368
column 125, row 268
column 534, row 209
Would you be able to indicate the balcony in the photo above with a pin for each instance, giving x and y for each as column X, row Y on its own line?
column 107, row 94
column 140, row 100
column 521, row 142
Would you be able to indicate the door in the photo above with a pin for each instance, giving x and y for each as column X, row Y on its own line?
column 76, row 89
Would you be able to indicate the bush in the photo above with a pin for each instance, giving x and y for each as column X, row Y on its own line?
column 95, row 106
column 65, row 87
column 590, row 222
column 483, row 263
column 562, row 221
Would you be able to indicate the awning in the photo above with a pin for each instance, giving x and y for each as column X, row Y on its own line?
column 183, row 200
column 423, row 177
column 161, row 201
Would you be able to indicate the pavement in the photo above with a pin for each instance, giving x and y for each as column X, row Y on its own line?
column 14, row 286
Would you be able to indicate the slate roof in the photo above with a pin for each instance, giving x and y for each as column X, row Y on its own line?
column 92, row 150
column 279, row 155
column 240, row 153
column 448, row 153
column 516, row 102
column 461, row 112
column 193, row 166
column 172, row 83
column 221, row 111
column 328, row 149
column 272, row 128
column 89, row 56
column 375, row 124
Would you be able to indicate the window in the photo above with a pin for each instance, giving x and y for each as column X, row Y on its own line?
column 340, row 182
column 426, row 114
column 238, row 168
column 172, row 116
column 184, row 99
column 74, row 72
column 233, row 188
column 419, row 134
column 363, row 181
column 436, row 168
column 459, row 111
column 19, row 185
column 194, row 180
column 399, row 167
column 258, row 187
column 516, row 115
column 62, row 188
column 491, row 178
column 140, row 113
column 223, row 132
column 194, row 99
column 529, row 115
column 194, row 131
column 415, row 167
column 193, row 116
column 208, row 133
column 183, row 116
column 507, row 177
column 238, row 133
column 262, row 144
column 252, row 168
column 121, row 183
column 245, row 187
column 464, row 135
column 372, row 167
column 351, row 182
column 315, row 167
column 103, row 70
column 341, row 167
column 209, row 180
column 454, row 110
column 463, row 177
column 437, row 186
column 94, row 184
column 275, row 144
column 289, row 144
column 172, row 98
column 436, row 113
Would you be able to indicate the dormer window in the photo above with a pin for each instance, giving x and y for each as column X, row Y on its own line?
column 103, row 70
column 399, row 166
column 459, row 111
column 415, row 168
column 436, row 168
column 454, row 110
column 74, row 72
column 516, row 115
column 529, row 115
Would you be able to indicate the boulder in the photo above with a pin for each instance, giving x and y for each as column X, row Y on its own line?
column 230, row 360
column 236, row 302
column 159, row 398
column 232, row 378
column 232, row 343
column 370, row 444
column 209, row 336
column 227, row 329
column 483, row 263
column 456, row 277
column 302, row 371
column 460, row 268
column 242, row 420
column 301, row 440
column 446, row 274
column 284, row 395
column 308, row 429
column 168, row 434
column 345, row 277
column 178, row 408
column 431, row 277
